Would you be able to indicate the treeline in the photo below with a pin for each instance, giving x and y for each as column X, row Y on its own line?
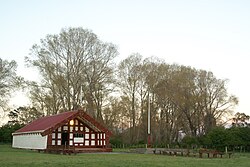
column 6, row 132
column 235, row 138
column 78, row 70
column 219, row 138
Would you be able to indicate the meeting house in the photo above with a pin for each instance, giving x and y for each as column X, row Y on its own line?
column 72, row 131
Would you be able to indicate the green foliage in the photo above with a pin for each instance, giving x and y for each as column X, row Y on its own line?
column 116, row 141
column 245, row 136
column 234, row 137
column 141, row 142
column 24, row 115
column 6, row 132
column 217, row 138
column 189, row 141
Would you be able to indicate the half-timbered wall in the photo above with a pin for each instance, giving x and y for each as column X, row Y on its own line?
column 77, row 134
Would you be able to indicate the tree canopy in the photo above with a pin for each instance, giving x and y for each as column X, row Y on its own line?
column 9, row 80
column 78, row 70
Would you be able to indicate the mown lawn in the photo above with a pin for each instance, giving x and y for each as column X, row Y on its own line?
column 27, row 158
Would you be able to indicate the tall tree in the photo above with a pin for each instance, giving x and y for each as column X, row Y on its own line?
column 129, row 76
column 213, row 100
column 169, row 115
column 76, row 69
column 192, row 100
column 9, row 81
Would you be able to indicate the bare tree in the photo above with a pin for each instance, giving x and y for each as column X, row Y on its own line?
column 129, row 76
column 213, row 100
column 9, row 80
column 72, row 64
column 198, row 96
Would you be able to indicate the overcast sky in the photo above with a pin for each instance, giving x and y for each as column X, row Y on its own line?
column 213, row 35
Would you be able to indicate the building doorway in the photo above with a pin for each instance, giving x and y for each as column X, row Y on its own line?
column 65, row 138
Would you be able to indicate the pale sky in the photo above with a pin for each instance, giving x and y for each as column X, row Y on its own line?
column 213, row 35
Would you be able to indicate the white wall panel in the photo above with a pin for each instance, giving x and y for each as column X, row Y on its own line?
column 71, row 135
column 59, row 135
column 78, row 140
column 92, row 136
column 30, row 141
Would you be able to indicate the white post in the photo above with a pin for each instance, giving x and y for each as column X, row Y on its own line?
column 149, row 136
column 81, row 96
column 148, row 114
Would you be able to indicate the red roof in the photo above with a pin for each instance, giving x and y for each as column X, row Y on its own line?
column 49, row 123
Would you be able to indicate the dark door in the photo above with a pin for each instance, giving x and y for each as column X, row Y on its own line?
column 65, row 138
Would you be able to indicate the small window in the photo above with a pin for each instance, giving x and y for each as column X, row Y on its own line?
column 78, row 135
column 86, row 136
column 53, row 135
column 92, row 136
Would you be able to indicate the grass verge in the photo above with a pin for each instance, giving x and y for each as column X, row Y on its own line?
column 17, row 157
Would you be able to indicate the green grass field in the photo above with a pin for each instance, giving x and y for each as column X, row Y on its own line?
column 27, row 158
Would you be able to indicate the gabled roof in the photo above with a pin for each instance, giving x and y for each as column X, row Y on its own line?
column 48, row 124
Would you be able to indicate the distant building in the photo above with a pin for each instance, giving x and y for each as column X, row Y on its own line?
column 73, row 130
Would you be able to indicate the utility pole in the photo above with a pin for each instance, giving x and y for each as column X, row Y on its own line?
column 81, row 96
column 149, row 134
